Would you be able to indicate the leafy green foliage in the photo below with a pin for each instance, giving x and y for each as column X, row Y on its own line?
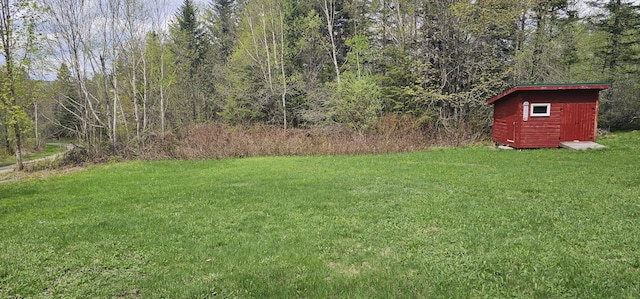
column 161, row 74
column 222, row 27
column 280, row 62
column 357, row 102
column 619, row 54
column 190, row 47
column 19, row 45
column 619, row 20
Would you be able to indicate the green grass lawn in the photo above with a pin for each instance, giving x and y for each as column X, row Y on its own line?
column 447, row 223
column 48, row 151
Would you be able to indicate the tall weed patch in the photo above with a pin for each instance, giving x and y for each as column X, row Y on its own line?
column 391, row 134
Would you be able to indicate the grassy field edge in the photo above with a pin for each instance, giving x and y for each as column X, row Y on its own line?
column 449, row 222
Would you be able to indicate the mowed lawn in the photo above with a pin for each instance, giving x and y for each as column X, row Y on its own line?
column 445, row 223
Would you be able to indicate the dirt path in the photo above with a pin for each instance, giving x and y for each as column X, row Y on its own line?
column 5, row 169
column 10, row 168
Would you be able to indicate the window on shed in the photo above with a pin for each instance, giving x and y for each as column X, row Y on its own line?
column 540, row 109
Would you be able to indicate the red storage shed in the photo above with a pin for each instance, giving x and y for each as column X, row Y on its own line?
column 542, row 116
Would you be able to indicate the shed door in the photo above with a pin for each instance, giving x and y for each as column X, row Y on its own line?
column 577, row 121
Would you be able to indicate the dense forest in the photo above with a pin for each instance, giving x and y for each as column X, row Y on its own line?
column 115, row 74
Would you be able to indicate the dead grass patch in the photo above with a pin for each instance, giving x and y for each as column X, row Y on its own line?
column 351, row 270
column 392, row 134
column 39, row 174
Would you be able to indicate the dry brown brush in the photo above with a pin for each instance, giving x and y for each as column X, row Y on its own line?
column 391, row 134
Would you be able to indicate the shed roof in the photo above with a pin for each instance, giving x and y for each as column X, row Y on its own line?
column 571, row 86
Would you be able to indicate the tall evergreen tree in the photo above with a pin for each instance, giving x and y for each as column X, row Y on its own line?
column 619, row 22
column 223, row 27
column 190, row 47
column 66, row 107
column 548, row 45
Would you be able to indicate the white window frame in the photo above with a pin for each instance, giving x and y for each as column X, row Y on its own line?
column 546, row 105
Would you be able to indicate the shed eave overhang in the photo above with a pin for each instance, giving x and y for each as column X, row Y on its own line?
column 539, row 87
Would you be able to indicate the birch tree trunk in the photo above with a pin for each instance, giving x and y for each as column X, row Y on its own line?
column 328, row 9
column 284, row 75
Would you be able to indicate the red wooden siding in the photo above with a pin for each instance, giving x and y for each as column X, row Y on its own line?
column 540, row 131
column 504, row 118
column 573, row 115
column 578, row 122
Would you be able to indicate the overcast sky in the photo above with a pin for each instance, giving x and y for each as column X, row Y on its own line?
column 174, row 4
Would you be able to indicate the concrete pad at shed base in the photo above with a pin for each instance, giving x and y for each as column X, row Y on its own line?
column 581, row 145
column 505, row 147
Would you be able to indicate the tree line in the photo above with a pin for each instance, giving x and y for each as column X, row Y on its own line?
column 128, row 71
